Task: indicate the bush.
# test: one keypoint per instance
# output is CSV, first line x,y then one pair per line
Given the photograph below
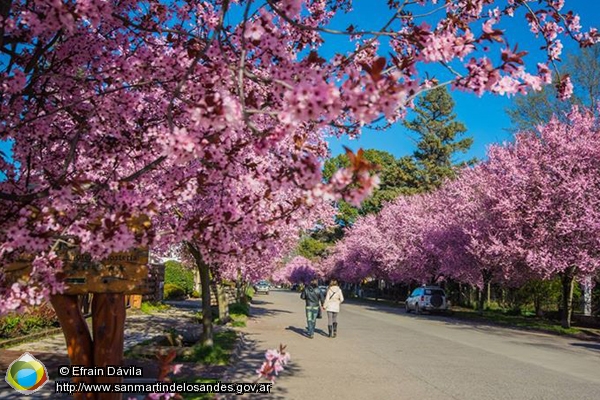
x,y
239,308
152,307
177,274
218,354
195,294
172,291
38,319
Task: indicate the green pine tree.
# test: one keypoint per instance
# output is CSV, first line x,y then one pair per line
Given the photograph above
x,y
397,176
438,142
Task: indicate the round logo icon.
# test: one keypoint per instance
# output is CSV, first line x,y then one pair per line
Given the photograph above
x,y
26,374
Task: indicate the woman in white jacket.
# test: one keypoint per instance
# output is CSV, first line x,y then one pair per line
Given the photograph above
x,y
333,299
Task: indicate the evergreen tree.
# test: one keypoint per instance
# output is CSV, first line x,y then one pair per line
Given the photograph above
x,y
398,176
438,138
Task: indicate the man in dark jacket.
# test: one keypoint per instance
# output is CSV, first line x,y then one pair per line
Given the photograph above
x,y
314,300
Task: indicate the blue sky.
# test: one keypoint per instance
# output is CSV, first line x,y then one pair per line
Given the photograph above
x,y
484,116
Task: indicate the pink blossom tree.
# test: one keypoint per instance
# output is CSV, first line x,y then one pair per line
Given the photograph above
x,y
121,112
548,199
297,270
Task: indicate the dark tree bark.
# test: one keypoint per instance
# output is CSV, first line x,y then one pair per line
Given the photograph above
x,y
204,271
108,324
106,347
77,335
567,279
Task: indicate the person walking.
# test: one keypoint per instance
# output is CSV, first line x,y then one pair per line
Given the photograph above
x,y
333,299
314,301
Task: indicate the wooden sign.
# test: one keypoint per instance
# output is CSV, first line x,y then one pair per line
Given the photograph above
x,y
122,272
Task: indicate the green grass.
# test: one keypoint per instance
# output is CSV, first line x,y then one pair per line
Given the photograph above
x,y
199,396
239,308
239,312
501,317
519,321
238,320
218,354
151,308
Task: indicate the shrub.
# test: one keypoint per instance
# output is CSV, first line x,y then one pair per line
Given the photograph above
x,y
152,307
195,294
218,354
239,308
177,274
38,319
172,291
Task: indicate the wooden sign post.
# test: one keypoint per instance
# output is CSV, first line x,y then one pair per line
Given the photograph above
x,y
123,272
109,279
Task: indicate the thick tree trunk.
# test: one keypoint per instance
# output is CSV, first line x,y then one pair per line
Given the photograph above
x,y
567,279
106,348
77,335
108,324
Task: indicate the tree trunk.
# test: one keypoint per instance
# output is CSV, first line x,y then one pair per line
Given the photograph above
x,y
485,293
472,295
204,271
222,303
537,303
106,348
567,280
77,335
108,322
207,323
238,287
587,296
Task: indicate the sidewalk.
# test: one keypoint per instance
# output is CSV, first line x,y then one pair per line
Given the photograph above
x,y
52,350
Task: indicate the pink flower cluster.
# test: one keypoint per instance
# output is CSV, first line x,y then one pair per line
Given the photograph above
x,y
275,362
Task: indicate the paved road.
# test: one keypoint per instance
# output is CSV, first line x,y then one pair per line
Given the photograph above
x,y
383,353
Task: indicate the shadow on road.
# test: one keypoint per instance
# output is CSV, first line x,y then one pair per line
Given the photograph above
x,y
258,309
263,312
591,346
299,331
256,302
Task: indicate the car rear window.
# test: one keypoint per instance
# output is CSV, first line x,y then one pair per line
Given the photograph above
x,y
432,292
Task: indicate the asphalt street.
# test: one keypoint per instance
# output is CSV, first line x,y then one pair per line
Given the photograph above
x,y
383,353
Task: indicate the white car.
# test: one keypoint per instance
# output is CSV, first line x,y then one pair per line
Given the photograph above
x,y
427,298
262,287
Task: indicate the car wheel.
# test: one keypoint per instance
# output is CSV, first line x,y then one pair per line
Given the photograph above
x,y
406,308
